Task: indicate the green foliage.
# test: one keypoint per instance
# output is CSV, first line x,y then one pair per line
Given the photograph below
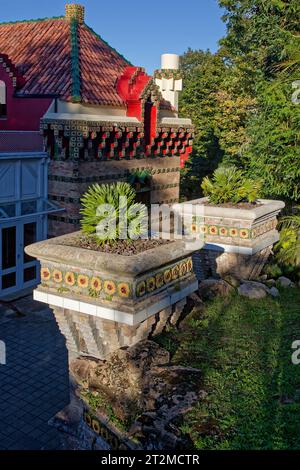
x,y
240,98
202,73
243,348
113,206
100,402
229,184
273,270
261,49
273,153
289,244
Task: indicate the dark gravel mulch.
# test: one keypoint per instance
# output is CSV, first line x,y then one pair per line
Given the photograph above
x,y
119,247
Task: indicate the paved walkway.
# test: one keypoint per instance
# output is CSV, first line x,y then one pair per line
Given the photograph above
x,y
34,382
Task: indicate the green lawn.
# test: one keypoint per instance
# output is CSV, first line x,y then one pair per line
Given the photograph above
x,y
244,349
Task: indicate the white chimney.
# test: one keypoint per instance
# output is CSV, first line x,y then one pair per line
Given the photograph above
x,y
168,78
170,61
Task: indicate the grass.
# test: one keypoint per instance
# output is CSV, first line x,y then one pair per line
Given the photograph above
x,y
244,349
97,402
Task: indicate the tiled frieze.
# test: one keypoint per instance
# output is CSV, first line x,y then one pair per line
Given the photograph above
x,y
211,228
65,279
90,141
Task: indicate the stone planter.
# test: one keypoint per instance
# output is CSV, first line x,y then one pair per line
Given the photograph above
x,y
104,301
237,241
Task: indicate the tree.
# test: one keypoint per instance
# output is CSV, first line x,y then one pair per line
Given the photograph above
x,y
262,50
203,74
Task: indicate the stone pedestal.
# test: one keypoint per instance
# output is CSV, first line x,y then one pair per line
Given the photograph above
x,y
103,301
236,241
88,335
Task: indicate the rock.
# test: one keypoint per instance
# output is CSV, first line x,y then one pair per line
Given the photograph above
x,y
253,290
271,282
178,312
274,292
211,288
139,381
233,281
263,278
285,282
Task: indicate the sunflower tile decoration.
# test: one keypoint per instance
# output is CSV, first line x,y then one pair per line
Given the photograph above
x,y
94,286
232,232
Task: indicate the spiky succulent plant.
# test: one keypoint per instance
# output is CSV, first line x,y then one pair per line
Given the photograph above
x,y
110,213
229,184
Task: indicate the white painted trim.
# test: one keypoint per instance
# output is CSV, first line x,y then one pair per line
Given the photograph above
x,y
244,250
112,314
91,117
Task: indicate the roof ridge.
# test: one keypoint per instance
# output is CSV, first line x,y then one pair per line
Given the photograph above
x,y
105,42
34,20
75,62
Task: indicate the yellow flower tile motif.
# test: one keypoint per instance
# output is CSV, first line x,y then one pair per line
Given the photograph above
x,y
151,285
70,279
190,265
57,276
82,281
244,233
183,269
45,274
110,287
159,280
175,273
233,232
223,231
88,419
124,289
96,284
194,228
213,230
203,229
168,276
141,289
96,426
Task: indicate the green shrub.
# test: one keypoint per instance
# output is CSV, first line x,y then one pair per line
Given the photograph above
x,y
289,244
229,184
113,207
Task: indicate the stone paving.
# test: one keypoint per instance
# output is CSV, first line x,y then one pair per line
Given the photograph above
x,y
34,383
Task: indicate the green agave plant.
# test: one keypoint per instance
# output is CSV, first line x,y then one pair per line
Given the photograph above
x,y
229,184
110,213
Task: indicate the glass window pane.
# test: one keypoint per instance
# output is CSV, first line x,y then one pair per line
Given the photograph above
x,y
29,238
9,280
30,274
8,247
29,207
9,209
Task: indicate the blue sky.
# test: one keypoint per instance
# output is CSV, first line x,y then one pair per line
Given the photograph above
x,y
141,30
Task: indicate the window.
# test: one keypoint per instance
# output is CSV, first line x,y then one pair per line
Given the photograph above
x,y
3,107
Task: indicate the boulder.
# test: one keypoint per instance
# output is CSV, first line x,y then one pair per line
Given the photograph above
x,y
253,290
139,381
211,288
285,282
274,292
233,281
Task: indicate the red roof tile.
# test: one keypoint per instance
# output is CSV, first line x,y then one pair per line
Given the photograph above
x,y
42,52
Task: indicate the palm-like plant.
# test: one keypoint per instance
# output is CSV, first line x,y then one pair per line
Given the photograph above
x,y
289,244
229,184
111,213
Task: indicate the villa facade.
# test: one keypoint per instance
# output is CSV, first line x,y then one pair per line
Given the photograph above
x,y
74,112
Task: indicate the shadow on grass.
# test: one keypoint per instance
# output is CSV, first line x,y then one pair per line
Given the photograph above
x,y
244,349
